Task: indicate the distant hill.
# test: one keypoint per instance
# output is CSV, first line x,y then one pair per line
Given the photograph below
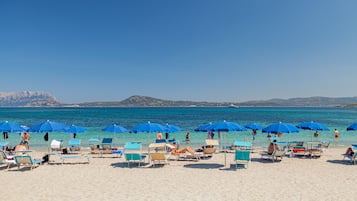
x,y
28,99
305,102
44,99
145,101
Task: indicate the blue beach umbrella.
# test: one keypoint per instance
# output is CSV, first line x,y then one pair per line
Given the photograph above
x,y
115,129
47,126
254,126
312,126
148,128
74,129
280,128
352,127
171,128
11,127
203,128
225,127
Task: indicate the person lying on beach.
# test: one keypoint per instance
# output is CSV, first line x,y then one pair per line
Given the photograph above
x,y
272,146
349,151
182,151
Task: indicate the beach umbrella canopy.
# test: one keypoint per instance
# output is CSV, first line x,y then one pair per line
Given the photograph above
x,y
11,127
74,129
171,128
226,126
203,128
352,127
312,126
115,129
254,126
47,126
280,128
148,128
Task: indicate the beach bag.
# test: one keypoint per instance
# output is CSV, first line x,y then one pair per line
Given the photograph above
x,y
45,158
45,137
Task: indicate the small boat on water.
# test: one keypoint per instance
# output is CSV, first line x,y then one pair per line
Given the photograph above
x,y
233,106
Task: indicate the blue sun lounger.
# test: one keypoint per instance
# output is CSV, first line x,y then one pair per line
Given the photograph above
x,y
133,153
26,160
74,145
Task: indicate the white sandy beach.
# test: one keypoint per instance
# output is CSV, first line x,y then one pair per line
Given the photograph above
x,y
109,178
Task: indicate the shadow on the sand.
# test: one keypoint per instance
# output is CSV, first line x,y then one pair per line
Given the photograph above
x,y
130,165
341,162
264,160
204,166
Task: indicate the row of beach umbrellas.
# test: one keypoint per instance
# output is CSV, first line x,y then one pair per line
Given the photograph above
x,y
50,126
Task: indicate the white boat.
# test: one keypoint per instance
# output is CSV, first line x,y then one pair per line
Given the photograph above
x,y
233,106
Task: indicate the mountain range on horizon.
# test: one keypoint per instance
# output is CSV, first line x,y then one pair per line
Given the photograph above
x,y
45,99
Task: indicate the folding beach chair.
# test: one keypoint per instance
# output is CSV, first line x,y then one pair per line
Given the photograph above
x,y
242,157
133,153
74,145
107,143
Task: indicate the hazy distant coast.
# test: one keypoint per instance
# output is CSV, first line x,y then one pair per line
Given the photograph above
x,y
45,99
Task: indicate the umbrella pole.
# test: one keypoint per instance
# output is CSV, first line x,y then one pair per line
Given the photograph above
x,y
224,149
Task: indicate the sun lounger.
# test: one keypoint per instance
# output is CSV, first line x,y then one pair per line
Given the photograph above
x,y
26,160
5,160
107,143
133,153
158,158
94,143
74,145
274,156
70,157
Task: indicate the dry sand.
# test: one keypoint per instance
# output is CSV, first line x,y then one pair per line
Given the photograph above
x,y
325,178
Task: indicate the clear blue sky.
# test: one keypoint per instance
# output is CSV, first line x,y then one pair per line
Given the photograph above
x,y
201,50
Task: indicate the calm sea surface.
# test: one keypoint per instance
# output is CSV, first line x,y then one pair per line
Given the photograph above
x,y
188,118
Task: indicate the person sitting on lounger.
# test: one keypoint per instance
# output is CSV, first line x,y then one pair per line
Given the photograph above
x,y
349,151
272,146
182,151
21,147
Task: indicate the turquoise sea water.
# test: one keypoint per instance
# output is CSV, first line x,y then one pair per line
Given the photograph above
x,y
188,118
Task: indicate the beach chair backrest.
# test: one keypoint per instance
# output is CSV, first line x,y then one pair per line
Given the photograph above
x,y
160,141
212,142
107,140
242,144
2,156
278,153
209,150
242,155
23,159
132,146
74,142
132,156
56,144
157,156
